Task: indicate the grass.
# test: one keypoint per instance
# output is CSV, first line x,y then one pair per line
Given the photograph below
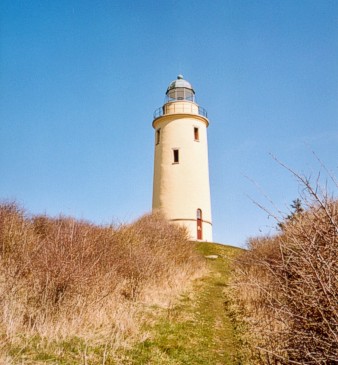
x,y
73,293
198,328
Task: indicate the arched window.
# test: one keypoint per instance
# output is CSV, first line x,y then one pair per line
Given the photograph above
x,y
199,224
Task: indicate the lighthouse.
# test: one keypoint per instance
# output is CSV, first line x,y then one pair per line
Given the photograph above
x,y
181,188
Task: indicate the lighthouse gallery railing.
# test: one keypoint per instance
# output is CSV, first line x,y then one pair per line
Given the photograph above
x,y
180,108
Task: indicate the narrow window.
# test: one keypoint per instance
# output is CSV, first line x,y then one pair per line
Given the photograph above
x,y
158,136
196,134
176,156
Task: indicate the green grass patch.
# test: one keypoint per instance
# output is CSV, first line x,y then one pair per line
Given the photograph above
x,y
199,329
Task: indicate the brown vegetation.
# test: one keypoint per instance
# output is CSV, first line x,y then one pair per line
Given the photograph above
x,y
62,277
286,286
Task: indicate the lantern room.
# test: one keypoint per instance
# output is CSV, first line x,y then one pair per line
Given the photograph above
x,y
180,89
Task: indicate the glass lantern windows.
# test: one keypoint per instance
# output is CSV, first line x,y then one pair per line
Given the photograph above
x,y
180,93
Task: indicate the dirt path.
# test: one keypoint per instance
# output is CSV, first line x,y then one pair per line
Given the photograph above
x,y
198,330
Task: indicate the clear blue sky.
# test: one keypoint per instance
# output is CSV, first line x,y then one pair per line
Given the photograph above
x,y
80,81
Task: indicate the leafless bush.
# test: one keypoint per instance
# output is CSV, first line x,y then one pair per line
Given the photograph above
x,y
287,285
62,277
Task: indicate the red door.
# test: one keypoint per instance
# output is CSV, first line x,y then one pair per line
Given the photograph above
x,y
199,224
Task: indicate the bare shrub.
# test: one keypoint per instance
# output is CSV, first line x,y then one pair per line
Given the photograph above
x,y
60,277
287,286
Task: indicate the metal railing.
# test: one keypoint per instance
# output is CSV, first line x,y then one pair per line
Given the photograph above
x,y
172,108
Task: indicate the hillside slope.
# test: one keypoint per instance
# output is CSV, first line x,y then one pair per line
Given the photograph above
x,y
72,292
197,329
75,293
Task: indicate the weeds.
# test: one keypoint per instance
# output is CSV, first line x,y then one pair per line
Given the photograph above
x,y
64,279
286,286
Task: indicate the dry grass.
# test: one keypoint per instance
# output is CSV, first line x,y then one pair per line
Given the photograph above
x,y
62,278
286,286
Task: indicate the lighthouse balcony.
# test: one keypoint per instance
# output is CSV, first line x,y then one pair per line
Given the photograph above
x,y
180,108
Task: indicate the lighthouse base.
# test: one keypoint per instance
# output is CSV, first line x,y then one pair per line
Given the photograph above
x,y
197,231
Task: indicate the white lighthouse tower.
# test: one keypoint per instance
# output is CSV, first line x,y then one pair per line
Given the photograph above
x,y
181,173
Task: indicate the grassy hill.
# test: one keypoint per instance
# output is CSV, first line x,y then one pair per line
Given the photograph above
x,y
76,293
198,327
